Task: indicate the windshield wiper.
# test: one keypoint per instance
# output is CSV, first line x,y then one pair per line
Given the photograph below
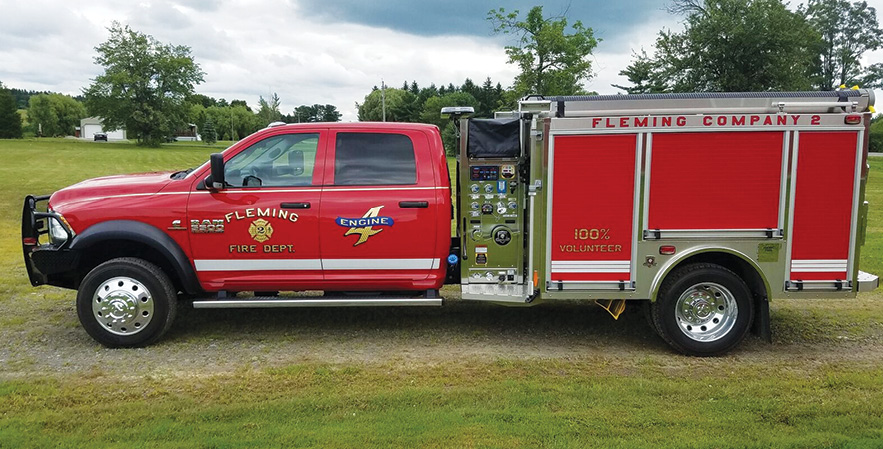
x,y
181,174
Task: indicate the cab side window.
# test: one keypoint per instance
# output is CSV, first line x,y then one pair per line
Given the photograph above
x,y
285,160
370,159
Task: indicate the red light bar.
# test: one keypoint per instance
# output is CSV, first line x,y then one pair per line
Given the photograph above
x,y
30,241
853,119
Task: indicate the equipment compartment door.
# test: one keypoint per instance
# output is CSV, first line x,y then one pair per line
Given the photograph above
x,y
824,208
592,223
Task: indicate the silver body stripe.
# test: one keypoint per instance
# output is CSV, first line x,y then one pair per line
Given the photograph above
x,y
591,266
818,265
315,264
257,264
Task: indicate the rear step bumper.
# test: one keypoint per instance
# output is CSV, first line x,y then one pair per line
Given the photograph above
x,y
266,303
867,282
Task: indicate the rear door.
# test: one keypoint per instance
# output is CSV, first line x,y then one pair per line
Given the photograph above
x,y
824,209
260,232
378,225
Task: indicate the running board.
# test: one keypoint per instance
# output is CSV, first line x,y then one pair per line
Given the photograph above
x,y
267,303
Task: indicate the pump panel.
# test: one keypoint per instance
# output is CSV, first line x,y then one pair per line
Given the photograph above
x,y
492,206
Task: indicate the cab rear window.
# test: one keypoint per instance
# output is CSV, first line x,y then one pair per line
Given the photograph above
x,y
370,159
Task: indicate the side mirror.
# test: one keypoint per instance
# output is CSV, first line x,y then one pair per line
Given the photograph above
x,y
296,162
217,164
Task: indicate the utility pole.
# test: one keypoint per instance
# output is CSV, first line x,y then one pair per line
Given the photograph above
x,y
383,97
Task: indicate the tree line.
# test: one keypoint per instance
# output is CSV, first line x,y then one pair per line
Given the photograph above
x,y
725,45
760,45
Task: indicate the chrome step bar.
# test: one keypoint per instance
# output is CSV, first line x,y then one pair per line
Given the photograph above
x,y
271,302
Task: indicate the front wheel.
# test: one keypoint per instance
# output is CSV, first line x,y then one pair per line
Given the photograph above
x,y
126,302
703,310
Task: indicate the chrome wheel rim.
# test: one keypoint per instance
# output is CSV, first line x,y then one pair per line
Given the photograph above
x,y
123,306
706,312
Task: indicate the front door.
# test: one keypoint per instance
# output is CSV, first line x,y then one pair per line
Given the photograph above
x,y
260,231
379,206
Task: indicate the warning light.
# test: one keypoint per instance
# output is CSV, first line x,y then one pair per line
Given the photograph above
x,y
853,119
30,241
667,250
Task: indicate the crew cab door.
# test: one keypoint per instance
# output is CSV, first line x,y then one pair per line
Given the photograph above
x,y
259,233
378,225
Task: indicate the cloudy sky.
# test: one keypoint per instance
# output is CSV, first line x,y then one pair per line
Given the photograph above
x,y
312,51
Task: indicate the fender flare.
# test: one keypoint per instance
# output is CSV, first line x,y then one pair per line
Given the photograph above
x,y
676,261
146,234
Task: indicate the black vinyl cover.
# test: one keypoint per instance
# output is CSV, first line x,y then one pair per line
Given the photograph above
x,y
494,138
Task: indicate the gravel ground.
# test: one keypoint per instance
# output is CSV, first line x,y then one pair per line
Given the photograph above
x,y
40,335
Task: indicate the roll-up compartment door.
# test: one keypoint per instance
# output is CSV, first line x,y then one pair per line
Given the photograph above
x,y
823,207
716,184
593,210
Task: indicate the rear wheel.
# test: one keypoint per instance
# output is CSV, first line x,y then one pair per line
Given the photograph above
x,y
703,310
126,302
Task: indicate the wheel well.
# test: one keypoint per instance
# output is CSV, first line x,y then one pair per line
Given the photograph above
x,y
737,265
112,249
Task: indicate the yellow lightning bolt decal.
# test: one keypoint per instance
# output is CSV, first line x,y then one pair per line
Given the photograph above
x,y
367,231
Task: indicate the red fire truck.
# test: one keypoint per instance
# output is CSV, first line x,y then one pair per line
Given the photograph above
x,y
704,206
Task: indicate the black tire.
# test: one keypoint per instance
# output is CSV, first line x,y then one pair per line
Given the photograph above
x,y
714,321
135,306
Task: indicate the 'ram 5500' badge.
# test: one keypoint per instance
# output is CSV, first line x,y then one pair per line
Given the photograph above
x,y
364,226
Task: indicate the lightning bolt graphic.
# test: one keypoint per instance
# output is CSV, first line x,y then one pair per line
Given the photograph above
x,y
368,231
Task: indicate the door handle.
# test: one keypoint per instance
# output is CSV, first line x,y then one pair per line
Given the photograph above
x,y
295,205
413,204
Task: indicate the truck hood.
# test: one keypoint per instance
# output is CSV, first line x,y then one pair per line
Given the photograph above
x,y
112,186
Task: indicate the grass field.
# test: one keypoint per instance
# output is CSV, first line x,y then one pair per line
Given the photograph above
x,y
466,375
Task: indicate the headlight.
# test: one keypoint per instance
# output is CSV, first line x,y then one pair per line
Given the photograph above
x,y
57,232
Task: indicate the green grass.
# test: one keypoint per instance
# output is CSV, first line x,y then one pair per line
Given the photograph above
x,y
503,404
227,379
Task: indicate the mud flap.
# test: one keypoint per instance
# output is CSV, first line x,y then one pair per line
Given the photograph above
x,y
761,326
614,307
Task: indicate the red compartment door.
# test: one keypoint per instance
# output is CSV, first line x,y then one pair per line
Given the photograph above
x,y
593,204
823,206
715,181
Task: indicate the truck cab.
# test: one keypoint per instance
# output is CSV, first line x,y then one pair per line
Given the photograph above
x,y
360,207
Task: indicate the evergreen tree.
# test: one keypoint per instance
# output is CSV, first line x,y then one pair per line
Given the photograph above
x,y
209,135
10,120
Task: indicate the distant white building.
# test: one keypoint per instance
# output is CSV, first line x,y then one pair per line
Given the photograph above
x,y
91,125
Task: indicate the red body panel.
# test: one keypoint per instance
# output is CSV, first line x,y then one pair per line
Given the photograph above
x,y
593,207
408,245
823,201
721,180
158,200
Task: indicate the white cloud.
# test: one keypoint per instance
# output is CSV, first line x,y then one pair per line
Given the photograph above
x,y
252,48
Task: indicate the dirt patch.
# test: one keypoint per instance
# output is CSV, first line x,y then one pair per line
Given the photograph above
x,y
806,334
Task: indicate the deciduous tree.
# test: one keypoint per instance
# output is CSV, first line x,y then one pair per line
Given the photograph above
x,y
847,30
55,114
729,45
269,109
400,106
144,86
552,61
314,113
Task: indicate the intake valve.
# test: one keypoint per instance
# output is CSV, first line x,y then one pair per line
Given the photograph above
x,y
502,236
